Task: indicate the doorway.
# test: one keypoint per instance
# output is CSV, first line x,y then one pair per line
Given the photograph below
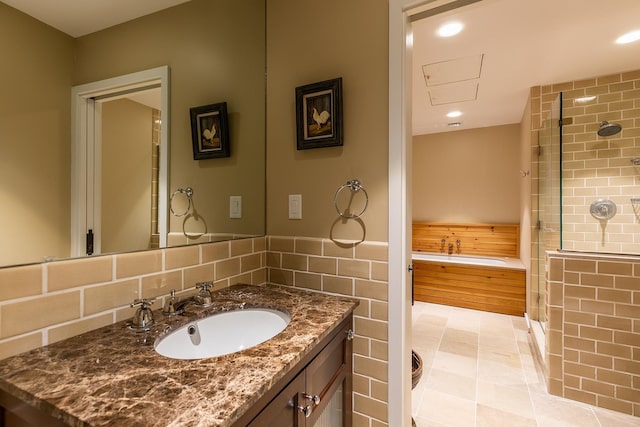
x,y
87,174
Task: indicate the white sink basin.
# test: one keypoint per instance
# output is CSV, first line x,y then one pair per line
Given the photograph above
x,y
223,333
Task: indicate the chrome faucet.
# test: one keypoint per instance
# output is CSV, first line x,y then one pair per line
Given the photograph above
x,y
458,243
450,248
170,306
204,298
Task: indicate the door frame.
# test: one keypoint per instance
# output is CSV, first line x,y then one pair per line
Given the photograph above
x,y
86,140
401,14
399,281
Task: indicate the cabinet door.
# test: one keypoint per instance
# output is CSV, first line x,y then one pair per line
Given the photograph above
x,y
283,410
325,376
16,413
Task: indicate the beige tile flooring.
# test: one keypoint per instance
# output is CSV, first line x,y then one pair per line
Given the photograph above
x,y
478,370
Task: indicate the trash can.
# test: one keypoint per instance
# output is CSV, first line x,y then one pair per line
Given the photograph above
x,y
416,373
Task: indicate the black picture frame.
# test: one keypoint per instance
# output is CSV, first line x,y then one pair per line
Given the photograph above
x,y
319,114
210,131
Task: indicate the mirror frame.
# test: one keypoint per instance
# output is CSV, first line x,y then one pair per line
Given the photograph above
x,y
82,126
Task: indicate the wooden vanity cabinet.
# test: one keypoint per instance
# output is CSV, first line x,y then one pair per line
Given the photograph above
x,y
319,393
16,413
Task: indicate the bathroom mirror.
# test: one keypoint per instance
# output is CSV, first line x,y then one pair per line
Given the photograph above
x,y
208,64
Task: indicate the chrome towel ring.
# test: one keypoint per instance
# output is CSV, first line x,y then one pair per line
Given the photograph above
x,y
355,186
188,192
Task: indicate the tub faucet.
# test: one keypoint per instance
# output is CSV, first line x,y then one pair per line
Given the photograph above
x,y
458,243
450,248
442,242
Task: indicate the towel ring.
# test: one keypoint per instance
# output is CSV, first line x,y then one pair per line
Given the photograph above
x,y
355,186
187,192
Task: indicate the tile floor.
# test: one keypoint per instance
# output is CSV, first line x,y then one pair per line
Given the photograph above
x,y
478,370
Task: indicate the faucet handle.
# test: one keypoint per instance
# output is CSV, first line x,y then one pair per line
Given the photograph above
x,y
143,317
204,286
204,297
144,303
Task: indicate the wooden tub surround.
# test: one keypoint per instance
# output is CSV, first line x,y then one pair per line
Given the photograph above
x,y
499,289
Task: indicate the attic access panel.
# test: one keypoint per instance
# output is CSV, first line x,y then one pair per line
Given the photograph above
x,y
454,92
455,70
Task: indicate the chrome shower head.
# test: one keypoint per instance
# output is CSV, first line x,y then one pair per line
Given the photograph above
x,y
608,129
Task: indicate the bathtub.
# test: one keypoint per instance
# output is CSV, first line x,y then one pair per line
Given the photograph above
x,y
459,259
477,282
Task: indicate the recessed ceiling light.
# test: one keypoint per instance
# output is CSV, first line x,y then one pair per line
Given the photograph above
x,y
453,114
585,99
450,29
629,37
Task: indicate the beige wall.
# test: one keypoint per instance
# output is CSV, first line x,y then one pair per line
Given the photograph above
x,y
126,175
306,47
35,82
468,176
211,60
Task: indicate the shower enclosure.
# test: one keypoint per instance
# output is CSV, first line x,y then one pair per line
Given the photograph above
x,y
588,175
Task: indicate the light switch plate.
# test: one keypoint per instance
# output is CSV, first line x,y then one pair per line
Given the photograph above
x,y
295,206
235,206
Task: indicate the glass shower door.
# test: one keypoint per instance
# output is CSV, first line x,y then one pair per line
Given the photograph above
x,y
549,201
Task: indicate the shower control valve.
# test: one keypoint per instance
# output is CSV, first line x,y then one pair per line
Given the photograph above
x,y
603,209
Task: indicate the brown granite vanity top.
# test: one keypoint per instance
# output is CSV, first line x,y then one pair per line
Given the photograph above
x,y
113,376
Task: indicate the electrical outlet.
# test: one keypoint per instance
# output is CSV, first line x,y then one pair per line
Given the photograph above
x,y
295,206
235,206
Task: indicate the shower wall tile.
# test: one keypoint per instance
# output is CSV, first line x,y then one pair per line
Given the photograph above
x,y
359,272
596,167
593,340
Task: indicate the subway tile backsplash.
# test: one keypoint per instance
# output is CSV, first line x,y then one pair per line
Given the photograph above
x,y
44,303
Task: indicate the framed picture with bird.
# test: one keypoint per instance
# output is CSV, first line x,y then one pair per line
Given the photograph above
x,y
210,131
319,114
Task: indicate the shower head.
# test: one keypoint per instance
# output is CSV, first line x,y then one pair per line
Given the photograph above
x,y
608,129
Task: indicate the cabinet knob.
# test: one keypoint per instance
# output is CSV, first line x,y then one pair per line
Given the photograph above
x,y
315,398
306,410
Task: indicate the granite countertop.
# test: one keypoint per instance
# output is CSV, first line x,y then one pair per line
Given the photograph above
x,y
113,376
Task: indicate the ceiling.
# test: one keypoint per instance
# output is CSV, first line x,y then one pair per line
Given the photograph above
x,y
515,44
80,17
522,43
